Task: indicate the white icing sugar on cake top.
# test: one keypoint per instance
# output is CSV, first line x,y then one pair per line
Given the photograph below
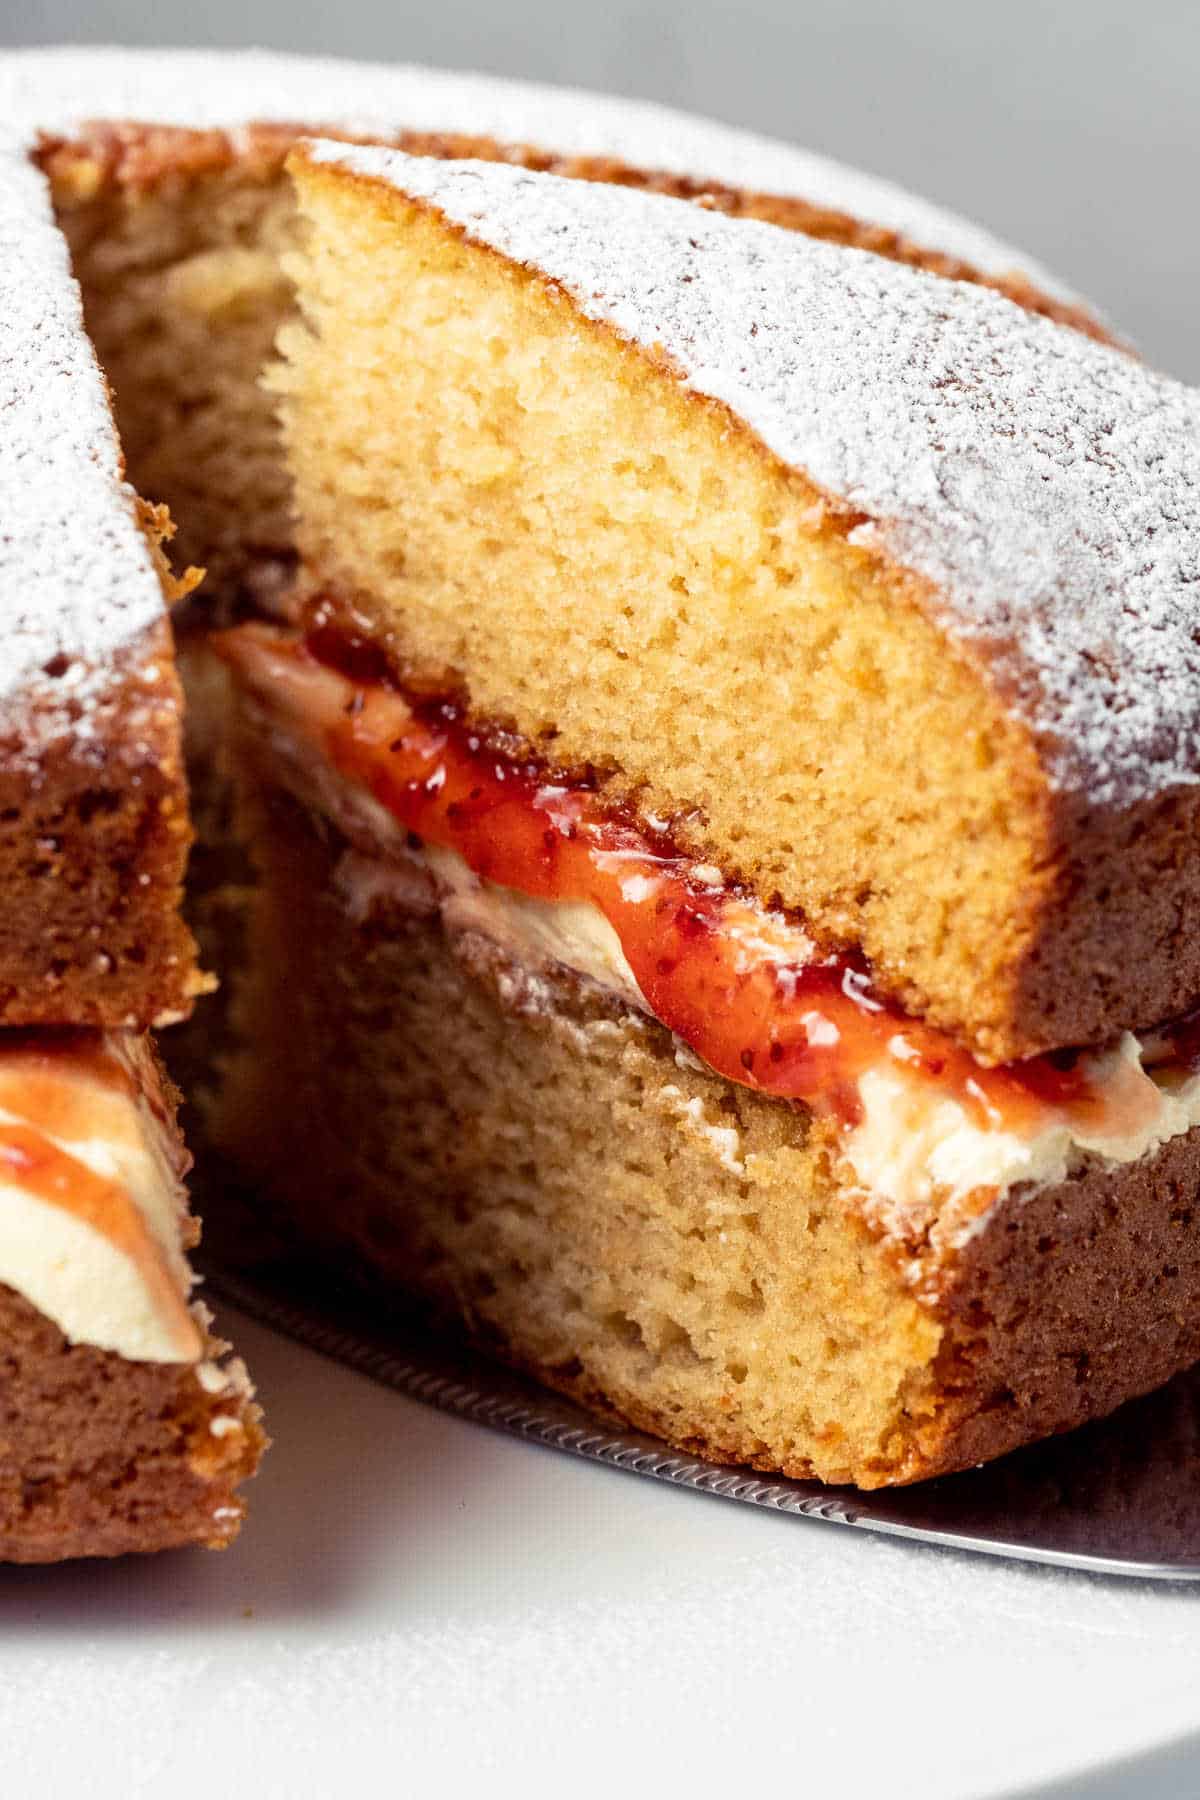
x,y
56,90
1047,485
76,578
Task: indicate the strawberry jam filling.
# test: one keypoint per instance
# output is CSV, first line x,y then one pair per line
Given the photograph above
x,y
741,984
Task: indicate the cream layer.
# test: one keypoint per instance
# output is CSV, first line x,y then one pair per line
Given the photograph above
x,y
91,1205
914,1147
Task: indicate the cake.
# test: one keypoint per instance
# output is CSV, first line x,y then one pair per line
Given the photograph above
x,y
481,1093
122,1427
725,772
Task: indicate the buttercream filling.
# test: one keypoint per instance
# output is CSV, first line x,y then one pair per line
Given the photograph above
x,y
911,1146
920,1121
90,1205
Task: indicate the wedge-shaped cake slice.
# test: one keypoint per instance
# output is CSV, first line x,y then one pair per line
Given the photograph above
x,y
731,802
119,1427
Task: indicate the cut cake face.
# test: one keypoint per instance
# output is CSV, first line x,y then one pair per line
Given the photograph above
x,y
176,227
628,534
121,1426
556,1079
93,807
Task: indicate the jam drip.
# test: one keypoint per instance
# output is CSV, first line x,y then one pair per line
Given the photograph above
x,y
740,984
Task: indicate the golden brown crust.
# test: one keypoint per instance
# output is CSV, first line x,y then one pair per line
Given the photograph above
x,y
100,1456
93,846
1071,1300
1112,938
894,792
139,157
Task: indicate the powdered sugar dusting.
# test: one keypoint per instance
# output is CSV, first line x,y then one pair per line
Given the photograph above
x,y
76,579
56,90
1047,485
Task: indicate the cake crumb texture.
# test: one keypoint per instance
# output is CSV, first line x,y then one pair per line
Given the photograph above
x,y
100,1456
1043,486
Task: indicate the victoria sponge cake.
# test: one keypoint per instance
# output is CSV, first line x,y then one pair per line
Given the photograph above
x,y
735,718
693,699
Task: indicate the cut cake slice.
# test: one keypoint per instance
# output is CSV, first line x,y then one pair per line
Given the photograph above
x,y
120,1428
731,668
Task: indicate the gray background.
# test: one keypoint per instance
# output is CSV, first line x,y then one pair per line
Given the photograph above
x,y
1069,126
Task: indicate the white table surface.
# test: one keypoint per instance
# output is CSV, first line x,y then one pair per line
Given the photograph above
x,y
419,1604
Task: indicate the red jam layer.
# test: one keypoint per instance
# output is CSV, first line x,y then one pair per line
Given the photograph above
x,y
731,979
